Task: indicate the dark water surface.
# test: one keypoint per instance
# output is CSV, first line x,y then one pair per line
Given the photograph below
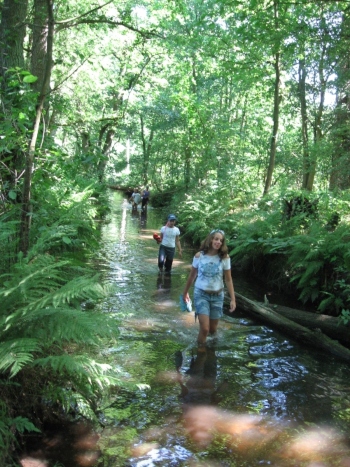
x,y
252,398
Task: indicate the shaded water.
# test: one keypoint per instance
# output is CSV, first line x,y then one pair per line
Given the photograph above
x,y
252,398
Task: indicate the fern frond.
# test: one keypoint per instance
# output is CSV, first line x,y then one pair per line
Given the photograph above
x,y
82,370
16,353
64,323
82,287
33,281
310,274
46,282
21,425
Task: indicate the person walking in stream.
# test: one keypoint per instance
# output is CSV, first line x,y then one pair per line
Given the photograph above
x,y
145,198
170,239
209,266
135,199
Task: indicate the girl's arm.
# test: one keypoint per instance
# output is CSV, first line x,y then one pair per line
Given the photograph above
x,y
229,285
190,280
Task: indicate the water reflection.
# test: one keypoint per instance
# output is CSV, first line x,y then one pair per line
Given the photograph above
x,y
143,218
199,387
74,444
135,213
123,226
163,292
163,283
139,216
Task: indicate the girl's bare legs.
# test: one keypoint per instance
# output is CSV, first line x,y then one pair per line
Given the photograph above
x,y
203,329
213,326
206,326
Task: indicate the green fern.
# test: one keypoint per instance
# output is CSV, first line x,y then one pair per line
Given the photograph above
x,y
16,353
44,330
21,425
8,242
318,261
65,223
81,369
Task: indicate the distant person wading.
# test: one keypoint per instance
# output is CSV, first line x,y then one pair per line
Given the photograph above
x,y
170,236
135,199
145,198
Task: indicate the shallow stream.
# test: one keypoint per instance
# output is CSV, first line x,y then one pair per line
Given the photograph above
x,y
253,398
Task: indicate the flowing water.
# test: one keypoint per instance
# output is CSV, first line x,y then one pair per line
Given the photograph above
x,y
252,398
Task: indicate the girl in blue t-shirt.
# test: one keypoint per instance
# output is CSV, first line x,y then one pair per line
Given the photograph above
x,y
210,265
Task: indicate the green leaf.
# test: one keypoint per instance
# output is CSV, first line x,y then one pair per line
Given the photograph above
x,y
30,79
21,424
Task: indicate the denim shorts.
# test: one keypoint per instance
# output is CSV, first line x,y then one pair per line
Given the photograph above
x,y
208,304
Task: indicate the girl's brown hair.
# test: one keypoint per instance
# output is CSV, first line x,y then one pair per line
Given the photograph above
x,y
206,244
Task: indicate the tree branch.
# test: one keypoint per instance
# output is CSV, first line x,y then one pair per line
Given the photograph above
x,y
146,34
84,14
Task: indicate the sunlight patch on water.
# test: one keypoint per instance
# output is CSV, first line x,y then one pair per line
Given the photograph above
x,y
144,324
167,456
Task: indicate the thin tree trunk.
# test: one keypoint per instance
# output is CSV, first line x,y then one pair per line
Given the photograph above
x,y
304,121
26,205
146,149
276,111
188,144
188,157
309,176
106,132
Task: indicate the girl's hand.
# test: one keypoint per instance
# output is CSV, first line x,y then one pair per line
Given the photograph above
x,y
186,297
232,305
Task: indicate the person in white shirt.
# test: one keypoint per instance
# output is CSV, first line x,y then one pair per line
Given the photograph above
x,y
170,239
209,266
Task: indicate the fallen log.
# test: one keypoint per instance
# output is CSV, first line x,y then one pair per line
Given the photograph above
x,y
313,338
329,325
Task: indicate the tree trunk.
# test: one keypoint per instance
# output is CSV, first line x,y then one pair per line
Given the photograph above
x,y
329,325
276,111
304,120
188,157
146,149
106,132
310,169
12,33
315,339
39,53
340,176
45,80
